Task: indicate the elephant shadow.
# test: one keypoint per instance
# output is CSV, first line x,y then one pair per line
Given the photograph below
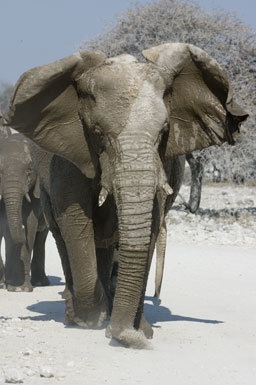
x,y
155,313
49,311
55,281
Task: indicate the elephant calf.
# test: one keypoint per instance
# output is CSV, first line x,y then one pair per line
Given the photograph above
x,y
21,219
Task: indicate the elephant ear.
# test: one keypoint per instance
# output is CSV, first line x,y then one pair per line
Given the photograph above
x,y
45,108
198,98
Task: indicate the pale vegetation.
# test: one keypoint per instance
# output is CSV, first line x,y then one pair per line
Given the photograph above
x,y
5,93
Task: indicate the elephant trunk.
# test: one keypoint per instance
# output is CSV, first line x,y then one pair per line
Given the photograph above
x,y
134,189
13,198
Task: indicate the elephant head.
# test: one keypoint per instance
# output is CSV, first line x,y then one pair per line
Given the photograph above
x,y
17,178
123,119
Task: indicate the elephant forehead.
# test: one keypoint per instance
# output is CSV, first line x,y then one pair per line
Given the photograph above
x,y
117,78
16,149
117,87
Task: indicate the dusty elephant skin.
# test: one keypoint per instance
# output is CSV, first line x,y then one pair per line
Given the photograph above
x,y
120,121
20,214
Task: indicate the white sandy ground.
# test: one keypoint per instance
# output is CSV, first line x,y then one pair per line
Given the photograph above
x,y
204,326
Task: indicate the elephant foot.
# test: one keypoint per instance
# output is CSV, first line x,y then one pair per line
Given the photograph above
x,y
146,328
27,287
41,280
93,320
86,317
129,337
68,320
91,317
66,294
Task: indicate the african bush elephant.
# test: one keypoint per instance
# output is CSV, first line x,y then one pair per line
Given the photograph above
x,y
21,220
119,121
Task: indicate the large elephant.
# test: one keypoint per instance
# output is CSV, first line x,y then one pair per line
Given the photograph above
x,y
21,219
119,121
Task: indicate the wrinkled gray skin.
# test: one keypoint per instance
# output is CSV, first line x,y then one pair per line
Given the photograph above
x,y
70,203
175,180
119,121
21,221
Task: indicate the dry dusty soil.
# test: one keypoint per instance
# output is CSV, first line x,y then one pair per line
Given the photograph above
x,y
204,324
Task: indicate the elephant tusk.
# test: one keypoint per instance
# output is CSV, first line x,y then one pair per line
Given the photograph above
x,y
167,189
28,198
103,196
0,197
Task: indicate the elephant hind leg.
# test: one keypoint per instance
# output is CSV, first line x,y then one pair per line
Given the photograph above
x,y
104,267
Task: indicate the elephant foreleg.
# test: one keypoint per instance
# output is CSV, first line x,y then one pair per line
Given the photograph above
x,y
90,309
31,212
15,267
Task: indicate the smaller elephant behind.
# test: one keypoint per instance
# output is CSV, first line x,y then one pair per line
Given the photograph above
x,y
175,172
22,223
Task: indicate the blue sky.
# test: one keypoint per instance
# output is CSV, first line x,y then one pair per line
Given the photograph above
x,y
35,32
